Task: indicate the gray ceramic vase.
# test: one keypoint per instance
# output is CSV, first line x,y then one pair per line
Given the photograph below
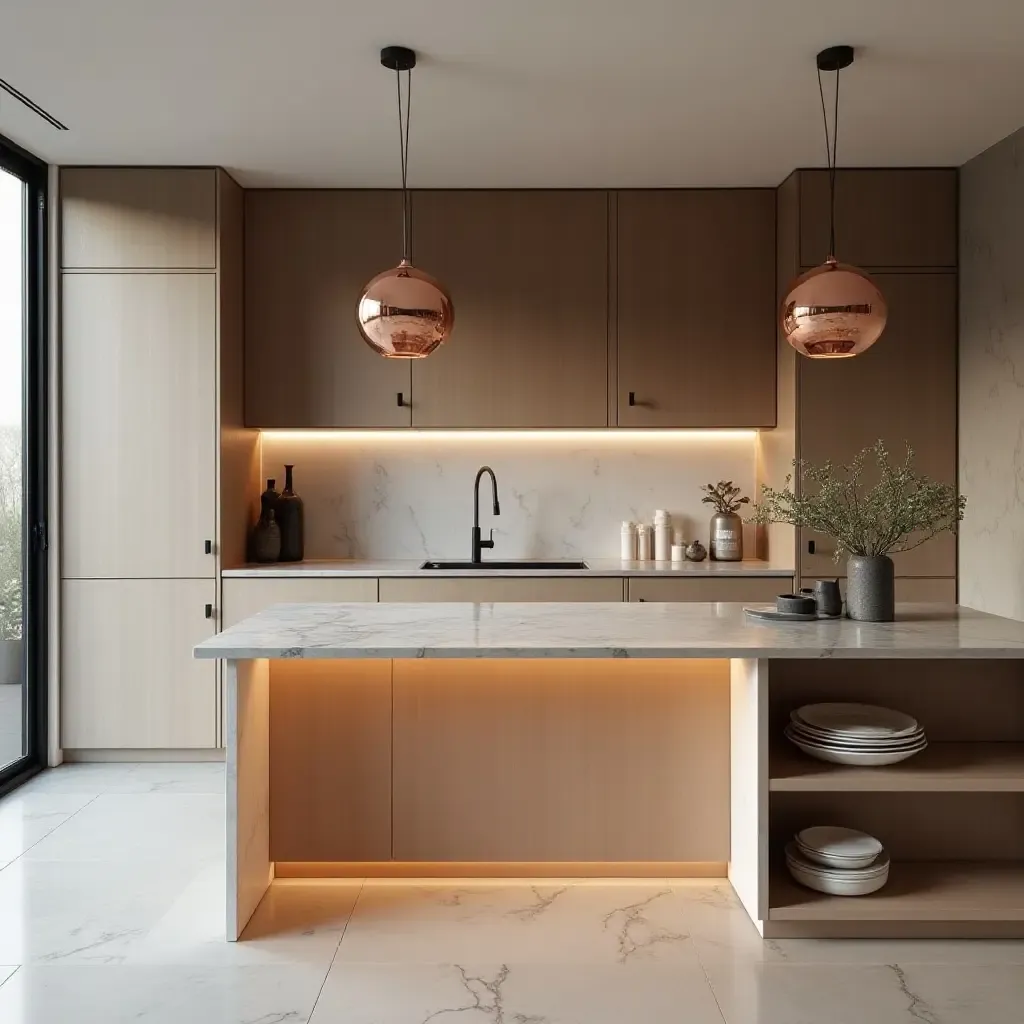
x,y
870,588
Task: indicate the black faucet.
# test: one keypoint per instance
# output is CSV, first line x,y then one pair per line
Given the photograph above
x,y
478,544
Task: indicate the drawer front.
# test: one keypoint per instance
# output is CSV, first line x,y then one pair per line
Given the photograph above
x,y
753,588
245,596
500,588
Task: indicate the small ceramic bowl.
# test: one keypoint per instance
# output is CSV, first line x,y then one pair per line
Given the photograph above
x,y
795,604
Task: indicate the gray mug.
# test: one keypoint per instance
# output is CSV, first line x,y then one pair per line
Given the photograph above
x,y
828,597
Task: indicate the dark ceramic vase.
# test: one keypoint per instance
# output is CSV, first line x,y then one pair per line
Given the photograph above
x,y
870,588
291,519
266,538
269,499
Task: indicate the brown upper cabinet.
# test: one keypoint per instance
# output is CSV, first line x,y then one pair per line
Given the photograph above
x,y
308,256
902,390
885,218
695,323
138,218
528,276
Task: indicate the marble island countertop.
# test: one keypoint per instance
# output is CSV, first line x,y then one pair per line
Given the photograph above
x,y
584,630
595,567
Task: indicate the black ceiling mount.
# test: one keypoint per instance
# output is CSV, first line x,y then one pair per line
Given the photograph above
x,y
401,58
835,58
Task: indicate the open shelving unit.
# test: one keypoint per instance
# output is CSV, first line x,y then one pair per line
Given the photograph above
x,y
951,818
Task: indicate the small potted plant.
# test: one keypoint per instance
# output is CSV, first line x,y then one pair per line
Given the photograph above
x,y
726,523
869,524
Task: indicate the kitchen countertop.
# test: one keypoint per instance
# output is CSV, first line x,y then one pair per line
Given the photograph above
x,y
597,567
587,630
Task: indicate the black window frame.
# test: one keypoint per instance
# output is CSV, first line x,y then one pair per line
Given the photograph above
x,y
35,482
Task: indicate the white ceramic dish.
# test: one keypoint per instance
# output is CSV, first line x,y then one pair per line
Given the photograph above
x,y
834,883
837,847
865,720
856,758
853,742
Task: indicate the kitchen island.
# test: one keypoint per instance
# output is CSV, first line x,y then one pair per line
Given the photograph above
x,y
605,739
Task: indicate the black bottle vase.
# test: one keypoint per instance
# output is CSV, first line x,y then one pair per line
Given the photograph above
x,y
291,520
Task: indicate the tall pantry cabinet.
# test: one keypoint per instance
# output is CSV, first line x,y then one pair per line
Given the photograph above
x,y
151,413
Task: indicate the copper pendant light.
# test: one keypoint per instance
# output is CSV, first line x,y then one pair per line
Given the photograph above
x,y
404,313
835,310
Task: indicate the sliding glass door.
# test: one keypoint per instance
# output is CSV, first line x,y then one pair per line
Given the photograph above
x,y
23,470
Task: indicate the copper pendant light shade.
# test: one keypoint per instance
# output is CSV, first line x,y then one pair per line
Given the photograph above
x,y
404,313
835,310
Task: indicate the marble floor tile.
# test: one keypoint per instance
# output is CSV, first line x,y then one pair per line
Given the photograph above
x,y
160,995
473,993
514,922
27,817
140,827
298,921
85,912
145,777
855,994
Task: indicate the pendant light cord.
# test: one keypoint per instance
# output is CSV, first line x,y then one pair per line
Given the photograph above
x,y
830,156
403,145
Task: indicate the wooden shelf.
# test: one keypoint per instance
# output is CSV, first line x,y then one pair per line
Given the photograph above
x,y
942,768
922,891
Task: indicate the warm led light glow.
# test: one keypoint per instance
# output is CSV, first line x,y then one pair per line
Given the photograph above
x,y
588,437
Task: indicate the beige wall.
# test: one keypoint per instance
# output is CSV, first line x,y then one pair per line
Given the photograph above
x,y
992,378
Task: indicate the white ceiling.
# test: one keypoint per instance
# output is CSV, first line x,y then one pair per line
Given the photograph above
x,y
522,93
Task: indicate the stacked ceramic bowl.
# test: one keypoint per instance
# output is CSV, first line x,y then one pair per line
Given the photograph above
x,y
855,734
837,861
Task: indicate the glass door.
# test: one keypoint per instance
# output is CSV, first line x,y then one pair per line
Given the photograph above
x,y
23,416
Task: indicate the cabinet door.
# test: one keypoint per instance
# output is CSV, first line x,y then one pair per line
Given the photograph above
x,y
139,425
130,218
308,256
696,308
244,596
528,275
752,588
128,678
549,588
903,389
895,217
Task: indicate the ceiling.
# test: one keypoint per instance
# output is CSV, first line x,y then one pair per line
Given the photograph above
x,y
567,93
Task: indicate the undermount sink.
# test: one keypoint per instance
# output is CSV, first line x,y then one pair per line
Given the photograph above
x,y
523,564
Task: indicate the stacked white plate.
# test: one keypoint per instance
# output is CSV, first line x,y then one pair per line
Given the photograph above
x,y
855,734
837,861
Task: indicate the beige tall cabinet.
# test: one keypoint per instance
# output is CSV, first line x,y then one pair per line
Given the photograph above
x,y
151,348
901,226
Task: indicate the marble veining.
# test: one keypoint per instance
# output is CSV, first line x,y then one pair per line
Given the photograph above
x,y
403,952
585,630
408,495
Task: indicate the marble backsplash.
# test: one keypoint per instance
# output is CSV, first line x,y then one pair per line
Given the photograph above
x,y
410,495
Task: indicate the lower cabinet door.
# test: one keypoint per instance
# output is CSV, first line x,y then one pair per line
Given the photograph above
x,y
128,678
249,595
728,588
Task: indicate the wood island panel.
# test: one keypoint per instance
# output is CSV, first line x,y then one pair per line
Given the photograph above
x,y
330,760
561,761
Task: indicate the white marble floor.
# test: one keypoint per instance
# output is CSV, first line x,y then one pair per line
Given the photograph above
x,y
111,907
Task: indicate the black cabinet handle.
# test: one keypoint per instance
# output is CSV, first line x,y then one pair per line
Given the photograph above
x,y
810,547
632,398
401,400
208,547
209,611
